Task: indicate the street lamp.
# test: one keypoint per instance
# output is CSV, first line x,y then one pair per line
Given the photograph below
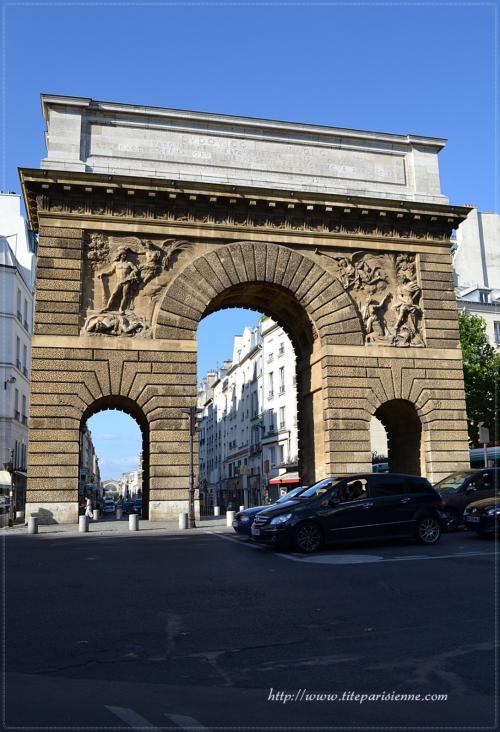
x,y
192,412
10,380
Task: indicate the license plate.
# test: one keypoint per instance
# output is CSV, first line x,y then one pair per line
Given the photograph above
x,y
473,519
255,531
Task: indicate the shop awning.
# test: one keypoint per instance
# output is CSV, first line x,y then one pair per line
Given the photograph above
x,y
286,478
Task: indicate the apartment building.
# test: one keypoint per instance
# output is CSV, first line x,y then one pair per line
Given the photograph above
x,y
248,428
17,275
476,265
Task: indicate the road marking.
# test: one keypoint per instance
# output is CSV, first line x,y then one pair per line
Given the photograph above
x,y
186,722
249,544
131,718
335,558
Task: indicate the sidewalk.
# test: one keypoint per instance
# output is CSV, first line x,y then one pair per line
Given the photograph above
x,y
112,527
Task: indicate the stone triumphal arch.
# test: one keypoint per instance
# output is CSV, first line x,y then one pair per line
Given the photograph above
x,y
149,219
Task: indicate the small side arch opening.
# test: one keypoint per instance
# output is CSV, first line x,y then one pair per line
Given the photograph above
x,y
122,458
403,428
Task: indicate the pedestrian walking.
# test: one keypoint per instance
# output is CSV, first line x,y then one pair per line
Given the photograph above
x,y
88,508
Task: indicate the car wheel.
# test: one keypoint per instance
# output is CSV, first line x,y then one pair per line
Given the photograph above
x,y
428,530
307,538
452,519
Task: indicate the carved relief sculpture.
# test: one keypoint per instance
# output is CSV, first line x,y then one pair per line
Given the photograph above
x,y
123,277
387,295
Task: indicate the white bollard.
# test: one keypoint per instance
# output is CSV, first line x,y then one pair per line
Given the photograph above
x,y
33,524
83,524
133,522
242,508
183,521
216,510
19,515
119,513
95,514
229,518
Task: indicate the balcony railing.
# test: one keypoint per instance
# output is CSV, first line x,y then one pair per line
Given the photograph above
x,y
17,414
281,389
270,395
18,363
25,371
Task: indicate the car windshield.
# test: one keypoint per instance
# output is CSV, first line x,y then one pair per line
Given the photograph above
x,y
317,489
452,481
290,494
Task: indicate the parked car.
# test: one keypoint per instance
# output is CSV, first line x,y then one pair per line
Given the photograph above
x,y
347,508
138,506
461,488
109,507
483,516
128,507
243,520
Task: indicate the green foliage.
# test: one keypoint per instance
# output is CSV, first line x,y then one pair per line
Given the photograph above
x,y
481,375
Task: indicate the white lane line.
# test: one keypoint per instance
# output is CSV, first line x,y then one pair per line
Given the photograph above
x,y
186,722
249,544
349,558
131,718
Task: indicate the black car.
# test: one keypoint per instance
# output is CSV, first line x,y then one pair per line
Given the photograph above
x,y
128,507
353,507
483,516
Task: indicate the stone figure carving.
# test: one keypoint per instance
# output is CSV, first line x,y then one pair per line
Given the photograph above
x,y
130,272
127,323
126,275
385,290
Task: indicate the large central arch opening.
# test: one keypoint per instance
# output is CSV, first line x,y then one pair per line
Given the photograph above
x,y
114,457
255,411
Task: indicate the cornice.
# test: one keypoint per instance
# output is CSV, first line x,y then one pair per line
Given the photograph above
x,y
96,198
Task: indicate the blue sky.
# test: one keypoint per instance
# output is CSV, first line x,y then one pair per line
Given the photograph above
x,y
423,68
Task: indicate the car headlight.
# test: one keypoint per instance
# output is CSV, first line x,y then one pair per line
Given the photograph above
x,y
280,519
493,511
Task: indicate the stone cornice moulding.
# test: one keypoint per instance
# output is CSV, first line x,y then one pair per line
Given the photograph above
x,y
41,188
235,121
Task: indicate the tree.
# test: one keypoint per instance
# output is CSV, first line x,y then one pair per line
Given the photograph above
x,y
481,366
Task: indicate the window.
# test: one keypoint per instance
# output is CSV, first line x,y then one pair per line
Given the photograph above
x,y
25,359
282,418
281,350
354,490
16,404
271,384
24,415
389,486
272,454
19,314
282,379
18,352
26,313
497,331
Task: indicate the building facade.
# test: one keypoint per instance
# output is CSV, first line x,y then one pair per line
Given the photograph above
x,y
17,277
90,474
248,435
476,264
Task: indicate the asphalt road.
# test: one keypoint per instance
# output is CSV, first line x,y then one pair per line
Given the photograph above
x,y
205,630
